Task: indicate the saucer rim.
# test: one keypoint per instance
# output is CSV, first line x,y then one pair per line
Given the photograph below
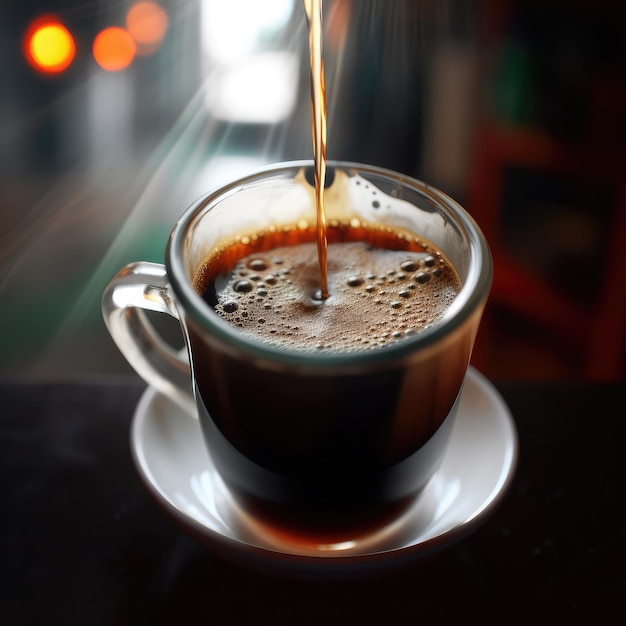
x,y
241,550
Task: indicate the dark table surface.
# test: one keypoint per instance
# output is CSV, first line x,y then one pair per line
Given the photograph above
x,y
82,542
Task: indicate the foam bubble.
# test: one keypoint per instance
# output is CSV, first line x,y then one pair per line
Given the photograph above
x,y
243,286
409,266
257,265
355,281
230,306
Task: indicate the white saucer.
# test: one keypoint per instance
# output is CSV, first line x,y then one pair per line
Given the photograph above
x,y
479,464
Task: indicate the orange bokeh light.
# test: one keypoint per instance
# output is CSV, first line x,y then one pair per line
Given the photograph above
x,y
114,49
49,47
147,24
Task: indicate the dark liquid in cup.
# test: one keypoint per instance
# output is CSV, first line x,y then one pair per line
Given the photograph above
x,y
384,285
335,444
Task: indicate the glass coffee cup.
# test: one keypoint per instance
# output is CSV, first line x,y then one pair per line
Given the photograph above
x,y
310,439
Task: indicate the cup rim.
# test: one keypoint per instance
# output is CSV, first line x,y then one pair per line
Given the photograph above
x,y
472,295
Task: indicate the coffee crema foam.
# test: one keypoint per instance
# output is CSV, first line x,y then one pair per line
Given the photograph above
x,y
384,285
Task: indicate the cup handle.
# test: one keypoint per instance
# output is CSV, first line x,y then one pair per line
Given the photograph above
x,y
137,288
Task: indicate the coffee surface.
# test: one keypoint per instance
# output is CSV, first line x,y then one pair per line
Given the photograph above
x,y
383,286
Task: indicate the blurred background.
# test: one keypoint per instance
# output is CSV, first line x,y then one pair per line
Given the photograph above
x,y
115,116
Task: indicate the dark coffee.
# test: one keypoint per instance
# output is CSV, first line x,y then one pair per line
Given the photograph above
x,y
341,440
378,295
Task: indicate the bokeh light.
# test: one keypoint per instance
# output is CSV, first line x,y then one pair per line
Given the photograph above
x,y
49,46
114,49
147,24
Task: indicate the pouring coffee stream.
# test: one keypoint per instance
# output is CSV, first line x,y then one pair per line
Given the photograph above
x,y
313,9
